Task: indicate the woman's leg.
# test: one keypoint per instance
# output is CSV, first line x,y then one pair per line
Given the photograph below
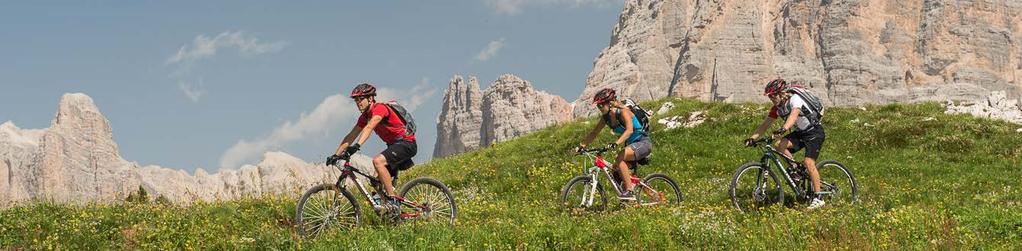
x,y
622,166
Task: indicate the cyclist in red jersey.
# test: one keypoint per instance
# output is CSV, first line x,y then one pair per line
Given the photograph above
x,y
385,122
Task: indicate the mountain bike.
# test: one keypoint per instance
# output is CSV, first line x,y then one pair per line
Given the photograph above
x,y
755,185
585,193
332,205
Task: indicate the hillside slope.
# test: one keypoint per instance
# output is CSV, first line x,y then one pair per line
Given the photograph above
x,y
927,180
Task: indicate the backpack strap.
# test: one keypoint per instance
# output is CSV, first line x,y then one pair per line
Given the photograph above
x,y
816,116
391,111
621,121
606,117
620,118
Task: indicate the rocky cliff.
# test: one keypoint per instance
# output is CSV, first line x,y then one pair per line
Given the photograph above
x,y
510,107
460,118
852,51
76,160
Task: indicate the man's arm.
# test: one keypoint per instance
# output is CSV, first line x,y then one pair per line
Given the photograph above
x,y
347,139
790,121
361,134
373,122
762,127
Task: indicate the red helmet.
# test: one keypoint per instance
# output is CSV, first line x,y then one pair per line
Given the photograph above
x,y
364,89
775,86
604,96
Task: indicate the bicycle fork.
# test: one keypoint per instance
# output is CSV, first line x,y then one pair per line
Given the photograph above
x,y
587,198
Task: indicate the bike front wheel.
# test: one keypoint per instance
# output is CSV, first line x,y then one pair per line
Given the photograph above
x,y
658,189
582,194
837,184
326,206
434,202
755,187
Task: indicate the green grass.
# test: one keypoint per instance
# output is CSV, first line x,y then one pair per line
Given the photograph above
x,y
927,180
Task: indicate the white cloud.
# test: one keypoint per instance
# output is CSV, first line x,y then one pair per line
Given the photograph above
x,y
420,93
191,91
203,46
508,7
514,7
491,50
416,96
334,110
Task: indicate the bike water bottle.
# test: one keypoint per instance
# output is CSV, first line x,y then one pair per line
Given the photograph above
x,y
376,198
794,172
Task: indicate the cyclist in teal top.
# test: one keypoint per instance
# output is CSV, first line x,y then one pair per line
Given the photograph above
x,y
623,122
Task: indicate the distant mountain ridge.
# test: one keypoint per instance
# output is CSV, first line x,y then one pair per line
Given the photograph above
x,y
76,160
471,118
853,52
849,52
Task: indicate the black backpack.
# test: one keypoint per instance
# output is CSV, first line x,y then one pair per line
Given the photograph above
x,y
403,115
641,114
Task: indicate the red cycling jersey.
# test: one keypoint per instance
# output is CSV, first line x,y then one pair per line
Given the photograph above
x,y
773,112
390,129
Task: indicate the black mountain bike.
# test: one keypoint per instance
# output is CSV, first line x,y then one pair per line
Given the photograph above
x,y
755,184
332,205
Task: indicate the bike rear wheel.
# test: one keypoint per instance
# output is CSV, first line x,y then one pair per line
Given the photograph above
x,y
755,187
581,194
658,189
434,199
837,184
326,206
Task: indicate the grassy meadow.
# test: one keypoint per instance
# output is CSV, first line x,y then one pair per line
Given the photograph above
x,y
927,180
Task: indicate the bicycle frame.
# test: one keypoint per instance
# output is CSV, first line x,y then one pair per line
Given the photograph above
x,y
599,164
770,155
350,172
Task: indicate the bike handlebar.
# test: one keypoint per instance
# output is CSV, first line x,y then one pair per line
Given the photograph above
x,y
765,140
594,150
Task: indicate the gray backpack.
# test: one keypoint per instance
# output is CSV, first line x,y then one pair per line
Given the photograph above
x,y
404,115
816,108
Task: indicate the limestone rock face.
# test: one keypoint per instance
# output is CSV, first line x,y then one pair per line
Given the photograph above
x,y
851,52
76,161
278,173
73,161
643,50
509,108
18,148
460,118
997,105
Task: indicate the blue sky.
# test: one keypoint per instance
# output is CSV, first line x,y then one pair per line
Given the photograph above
x,y
189,84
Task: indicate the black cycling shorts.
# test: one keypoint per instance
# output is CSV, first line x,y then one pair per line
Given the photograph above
x,y
399,156
811,140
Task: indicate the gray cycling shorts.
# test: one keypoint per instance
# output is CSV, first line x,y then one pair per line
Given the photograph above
x,y
642,148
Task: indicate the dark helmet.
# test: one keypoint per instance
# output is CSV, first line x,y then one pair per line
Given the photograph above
x,y
364,89
775,86
604,96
